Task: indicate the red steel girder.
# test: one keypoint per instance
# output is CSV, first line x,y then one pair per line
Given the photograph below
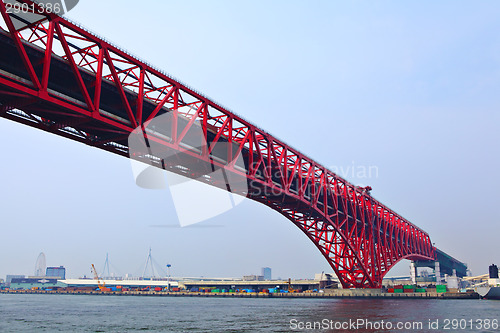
x,y
106,93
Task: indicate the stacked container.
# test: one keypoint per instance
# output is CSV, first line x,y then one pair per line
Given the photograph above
x,y
440,288
408,288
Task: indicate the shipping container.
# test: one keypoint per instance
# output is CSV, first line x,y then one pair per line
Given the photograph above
x,y
440,288
398,290
158,288
420,290
390,290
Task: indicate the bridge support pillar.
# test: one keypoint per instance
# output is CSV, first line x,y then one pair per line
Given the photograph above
x,y
413,272
437,270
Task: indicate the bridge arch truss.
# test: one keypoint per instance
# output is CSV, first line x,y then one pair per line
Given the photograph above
x,y
58,77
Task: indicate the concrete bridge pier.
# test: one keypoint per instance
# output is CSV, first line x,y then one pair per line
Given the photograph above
x,y
414,270
437,271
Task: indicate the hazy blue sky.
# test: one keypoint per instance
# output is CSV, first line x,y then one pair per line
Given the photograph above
x,y
411,88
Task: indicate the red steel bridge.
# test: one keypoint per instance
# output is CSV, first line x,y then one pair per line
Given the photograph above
x,y
58,77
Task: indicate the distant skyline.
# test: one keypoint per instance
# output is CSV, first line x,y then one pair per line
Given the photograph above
x,y
406,92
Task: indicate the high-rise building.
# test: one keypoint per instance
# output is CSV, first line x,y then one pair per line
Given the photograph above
x,y
266,273
59,272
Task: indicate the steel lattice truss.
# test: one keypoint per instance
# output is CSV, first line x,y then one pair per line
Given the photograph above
x,y
58,77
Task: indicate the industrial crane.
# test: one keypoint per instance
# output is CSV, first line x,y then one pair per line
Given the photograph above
x,y
290,289
102,286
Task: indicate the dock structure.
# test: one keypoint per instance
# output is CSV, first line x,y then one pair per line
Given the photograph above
x,y
333,293
302,285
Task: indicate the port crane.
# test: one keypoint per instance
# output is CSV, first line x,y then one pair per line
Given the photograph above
x,y
290,289
102,286
477,281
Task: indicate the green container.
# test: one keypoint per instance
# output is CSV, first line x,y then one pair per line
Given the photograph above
x,y
398,291
408,286
420,290
440,288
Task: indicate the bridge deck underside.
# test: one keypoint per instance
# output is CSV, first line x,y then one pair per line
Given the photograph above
x,y
447,264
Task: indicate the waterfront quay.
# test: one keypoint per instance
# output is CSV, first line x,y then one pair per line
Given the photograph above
x,y
334,293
